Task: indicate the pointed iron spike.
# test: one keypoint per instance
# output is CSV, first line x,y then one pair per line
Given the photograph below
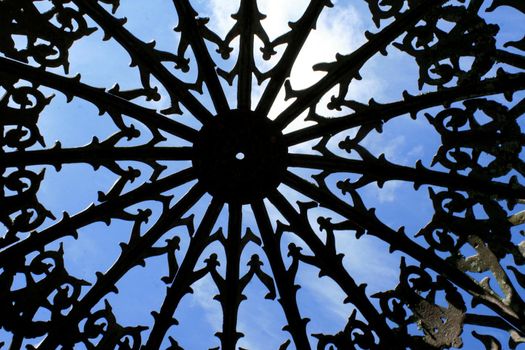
x,y
392,249
74,234
106,220
420,83
115,89
288,91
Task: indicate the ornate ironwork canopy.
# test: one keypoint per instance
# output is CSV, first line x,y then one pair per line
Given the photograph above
x,y
286,193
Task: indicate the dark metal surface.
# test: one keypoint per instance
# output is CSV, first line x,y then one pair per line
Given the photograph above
x,y
461,275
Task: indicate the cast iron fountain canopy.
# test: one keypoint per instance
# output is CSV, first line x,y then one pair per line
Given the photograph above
x,y
461,278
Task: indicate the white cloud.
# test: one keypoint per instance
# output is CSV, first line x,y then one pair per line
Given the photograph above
x,y
368,261
220,12
204,291
390,147
387,194
330,295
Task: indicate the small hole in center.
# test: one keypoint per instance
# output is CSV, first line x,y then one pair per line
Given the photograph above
x,y
239,156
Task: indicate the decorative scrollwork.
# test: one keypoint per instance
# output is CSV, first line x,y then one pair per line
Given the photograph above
x,y
236,194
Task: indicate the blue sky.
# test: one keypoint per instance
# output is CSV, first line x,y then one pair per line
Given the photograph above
x,y
404,141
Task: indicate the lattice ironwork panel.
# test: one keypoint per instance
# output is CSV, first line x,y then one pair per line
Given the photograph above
x,y
208,181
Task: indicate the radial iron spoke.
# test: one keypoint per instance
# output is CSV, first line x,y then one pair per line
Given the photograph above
x,y
230,297
101,212
285,283
487,321
381,113
93,155
382,170
72,87
142,55
295,40
510,58
185,277
190,30
347,67
246,18
518,109
132,255
331,264
399,241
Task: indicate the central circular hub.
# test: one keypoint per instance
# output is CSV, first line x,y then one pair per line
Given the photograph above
x,y
239,156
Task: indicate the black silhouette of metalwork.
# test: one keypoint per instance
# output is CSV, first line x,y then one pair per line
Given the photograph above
x,y
240,157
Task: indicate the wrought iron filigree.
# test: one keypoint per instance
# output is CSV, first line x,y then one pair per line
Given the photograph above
x,y
461,278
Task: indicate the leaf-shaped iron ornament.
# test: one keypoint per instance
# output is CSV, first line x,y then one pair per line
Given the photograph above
x,y
224,190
